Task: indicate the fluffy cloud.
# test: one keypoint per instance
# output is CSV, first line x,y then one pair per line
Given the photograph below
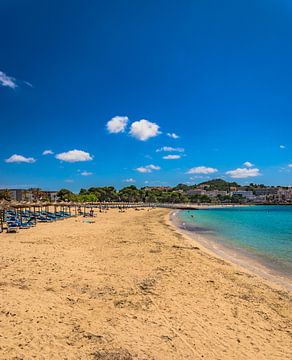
x,y
282,147
290,165
147,168
248,164
130,180
74,156
7,81
20,159
48,152
86,173
172,135
171,157
169,148
144,130
117,124
202,170
241,173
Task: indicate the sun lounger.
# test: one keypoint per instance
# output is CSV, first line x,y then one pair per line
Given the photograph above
x,y
25,225
12,228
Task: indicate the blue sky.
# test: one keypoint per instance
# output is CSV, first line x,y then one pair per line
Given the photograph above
x,y
217,74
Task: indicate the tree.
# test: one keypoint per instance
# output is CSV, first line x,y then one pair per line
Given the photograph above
x,y
218,184
151,198
37,194
224,198
65,195
183,187
130,194
237,199
5,195
87,198
205,199
106,193
45,197
184,198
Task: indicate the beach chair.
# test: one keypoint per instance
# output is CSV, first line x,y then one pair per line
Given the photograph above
x,y
25,225
12,228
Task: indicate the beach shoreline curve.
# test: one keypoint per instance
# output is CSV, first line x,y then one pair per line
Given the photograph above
x,y
241,259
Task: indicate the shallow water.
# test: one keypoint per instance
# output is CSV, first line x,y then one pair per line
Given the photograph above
x,y
262,231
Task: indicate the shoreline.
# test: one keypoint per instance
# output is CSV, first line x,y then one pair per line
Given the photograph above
x,y
237,257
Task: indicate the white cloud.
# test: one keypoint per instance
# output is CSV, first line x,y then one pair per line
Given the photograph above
x,y
148,157
28,84
199,177
48,152
171,157
248,164
74,156
11,82
7,81
20,159
144,130
172,135
202,170
147,168
86,173
290,165
241,173
117,124
130,180
153,167
17,186
169,148
143,169
282,147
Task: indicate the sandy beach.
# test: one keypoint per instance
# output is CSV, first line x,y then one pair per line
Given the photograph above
x,y
130,286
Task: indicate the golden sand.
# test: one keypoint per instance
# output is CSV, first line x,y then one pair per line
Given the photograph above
x,y
130,286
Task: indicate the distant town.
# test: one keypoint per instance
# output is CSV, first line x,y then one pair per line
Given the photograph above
x,y
215,191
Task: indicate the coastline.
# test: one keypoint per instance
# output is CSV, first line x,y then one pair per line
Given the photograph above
x,y
129,286
238,257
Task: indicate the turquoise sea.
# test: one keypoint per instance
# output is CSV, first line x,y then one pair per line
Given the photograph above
x,y
263,231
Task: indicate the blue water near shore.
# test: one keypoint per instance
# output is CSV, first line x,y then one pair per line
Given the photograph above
x,y
263,231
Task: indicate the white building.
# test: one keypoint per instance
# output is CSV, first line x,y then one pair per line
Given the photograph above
x,y
215,193
245,194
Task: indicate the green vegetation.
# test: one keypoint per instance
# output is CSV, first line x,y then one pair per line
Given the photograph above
x,y
178,194
215,184
219,184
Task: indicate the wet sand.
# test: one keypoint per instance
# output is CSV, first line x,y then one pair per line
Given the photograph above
x,y
130,286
